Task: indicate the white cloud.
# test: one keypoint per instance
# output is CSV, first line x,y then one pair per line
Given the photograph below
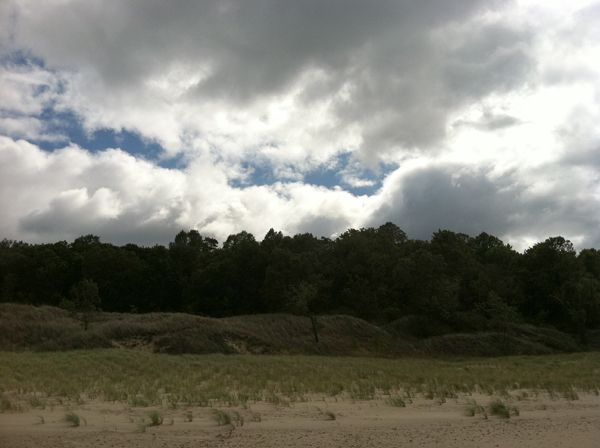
x,y
295,83
49,196
490,110
60,195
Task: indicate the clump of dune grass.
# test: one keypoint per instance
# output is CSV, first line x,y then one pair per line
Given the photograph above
x,y
502,410
472,409
221,417
156,418
396,402
328,415
237,418
499,409
276,399
72,419
138,402
5,404
570,394
36,402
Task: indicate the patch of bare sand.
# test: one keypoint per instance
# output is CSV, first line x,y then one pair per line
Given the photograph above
x,y
319,423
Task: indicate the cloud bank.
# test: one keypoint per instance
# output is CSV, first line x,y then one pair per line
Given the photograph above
x,y
471,115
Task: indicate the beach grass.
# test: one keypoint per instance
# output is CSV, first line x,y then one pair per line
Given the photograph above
x,y
142,378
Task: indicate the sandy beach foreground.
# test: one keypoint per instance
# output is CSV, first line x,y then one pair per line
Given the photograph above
x,y
319,423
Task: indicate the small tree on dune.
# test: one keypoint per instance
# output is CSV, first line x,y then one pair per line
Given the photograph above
x,y
84,299
300,300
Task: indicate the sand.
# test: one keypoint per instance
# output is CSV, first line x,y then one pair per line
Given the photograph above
x,y
319,423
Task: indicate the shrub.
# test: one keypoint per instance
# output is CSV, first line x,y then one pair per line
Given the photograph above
x,y
396,402
155,418
221,417
5,404
73,419
473,409
329,415
237,418
499,409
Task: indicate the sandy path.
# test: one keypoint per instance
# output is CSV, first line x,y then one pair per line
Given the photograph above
x,y
552,423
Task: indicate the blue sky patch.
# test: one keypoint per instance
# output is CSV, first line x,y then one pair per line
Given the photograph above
x,y
69,127
330,175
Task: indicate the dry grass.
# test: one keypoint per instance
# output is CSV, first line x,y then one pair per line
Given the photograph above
x,y
72,419
24,327
133,376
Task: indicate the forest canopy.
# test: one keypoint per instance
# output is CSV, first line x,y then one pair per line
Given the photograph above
x,y
452,281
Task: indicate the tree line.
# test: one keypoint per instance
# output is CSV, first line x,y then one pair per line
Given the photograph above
x,y
453,280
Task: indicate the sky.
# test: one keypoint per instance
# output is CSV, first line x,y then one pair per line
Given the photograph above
x,y
135,119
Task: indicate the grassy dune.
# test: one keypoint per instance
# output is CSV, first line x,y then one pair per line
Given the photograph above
x,y
24,327
141,378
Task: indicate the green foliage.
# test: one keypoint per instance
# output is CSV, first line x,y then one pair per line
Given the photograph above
x,y
72,419
396,402
222,418
232,381
84,296
156,418
456,282
472,409
328,415
5,403
502,410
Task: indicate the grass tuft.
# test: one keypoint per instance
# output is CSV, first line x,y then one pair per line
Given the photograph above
x,y
221,417
502,410
396,402
329,415
5,404
156,418
472,409
72,419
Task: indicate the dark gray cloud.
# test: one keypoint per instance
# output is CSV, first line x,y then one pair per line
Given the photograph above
x,y
393,69
450,197
53,224
587,158
322,225
490,121
254,45
490,58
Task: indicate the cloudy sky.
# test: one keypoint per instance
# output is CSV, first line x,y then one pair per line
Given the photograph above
x,y
133,119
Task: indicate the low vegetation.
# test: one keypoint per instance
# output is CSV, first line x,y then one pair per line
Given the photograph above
x,y
328,415
156,418
222,418
396,402
72,419
240,380
502,410
473,408
45,328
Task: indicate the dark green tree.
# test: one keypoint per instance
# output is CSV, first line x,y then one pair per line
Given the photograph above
x,y
84,300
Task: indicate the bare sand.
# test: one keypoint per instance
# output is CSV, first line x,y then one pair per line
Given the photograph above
x,y
318,423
